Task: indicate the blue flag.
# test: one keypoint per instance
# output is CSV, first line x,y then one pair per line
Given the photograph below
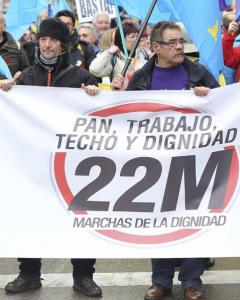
x,y
59,5
55,6
202,20
4,70
237,4
139,10
21,14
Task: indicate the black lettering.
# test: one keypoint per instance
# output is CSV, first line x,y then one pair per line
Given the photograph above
x,y
219,164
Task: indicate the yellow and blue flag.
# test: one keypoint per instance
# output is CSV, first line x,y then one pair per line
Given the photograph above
x,y
201,18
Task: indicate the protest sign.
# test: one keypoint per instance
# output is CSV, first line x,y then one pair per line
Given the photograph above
x,y
121,174
87,9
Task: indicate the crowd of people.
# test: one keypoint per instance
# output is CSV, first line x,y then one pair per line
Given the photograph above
x,y
56,52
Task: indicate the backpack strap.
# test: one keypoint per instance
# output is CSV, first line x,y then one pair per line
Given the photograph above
x,y
61,74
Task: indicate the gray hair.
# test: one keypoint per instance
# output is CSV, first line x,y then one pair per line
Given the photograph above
x,y
88,26
98,15
158,29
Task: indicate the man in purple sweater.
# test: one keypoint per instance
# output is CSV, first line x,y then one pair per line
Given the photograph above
x,y
169,69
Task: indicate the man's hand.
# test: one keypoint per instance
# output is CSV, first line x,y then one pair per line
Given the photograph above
x,y
117,83
233,27
201,91
7,85
91,90
16,75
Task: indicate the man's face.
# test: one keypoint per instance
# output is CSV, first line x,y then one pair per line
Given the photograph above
x,y
86,35
68,21
169,55
102,24
49,47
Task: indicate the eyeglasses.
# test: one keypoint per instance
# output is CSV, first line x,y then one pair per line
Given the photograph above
x,y
173,43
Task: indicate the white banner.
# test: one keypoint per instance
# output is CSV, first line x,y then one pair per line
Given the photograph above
x,y
122,174
87,9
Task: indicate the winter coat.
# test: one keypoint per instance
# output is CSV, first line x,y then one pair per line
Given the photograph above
x,y
231,55
62,75
198,76
109,65
14,56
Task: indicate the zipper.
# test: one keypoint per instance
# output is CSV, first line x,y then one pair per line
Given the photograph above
x,y
49,77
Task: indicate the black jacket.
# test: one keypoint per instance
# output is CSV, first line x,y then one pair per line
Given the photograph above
x,y
29,48
62,75
198,76
14,56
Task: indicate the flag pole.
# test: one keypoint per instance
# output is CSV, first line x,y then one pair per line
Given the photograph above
x,y
121,28
142,28
49,8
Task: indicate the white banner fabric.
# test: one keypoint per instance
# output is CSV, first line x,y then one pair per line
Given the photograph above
x,y
121,174
87,9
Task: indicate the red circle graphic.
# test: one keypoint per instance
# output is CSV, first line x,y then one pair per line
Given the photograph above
x,y
62,184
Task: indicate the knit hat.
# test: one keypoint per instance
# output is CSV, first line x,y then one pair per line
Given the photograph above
x,y
54,28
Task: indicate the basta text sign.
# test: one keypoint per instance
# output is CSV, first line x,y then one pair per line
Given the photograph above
x,y
87,9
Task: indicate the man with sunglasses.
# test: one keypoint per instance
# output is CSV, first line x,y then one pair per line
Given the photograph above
x,y
169,69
